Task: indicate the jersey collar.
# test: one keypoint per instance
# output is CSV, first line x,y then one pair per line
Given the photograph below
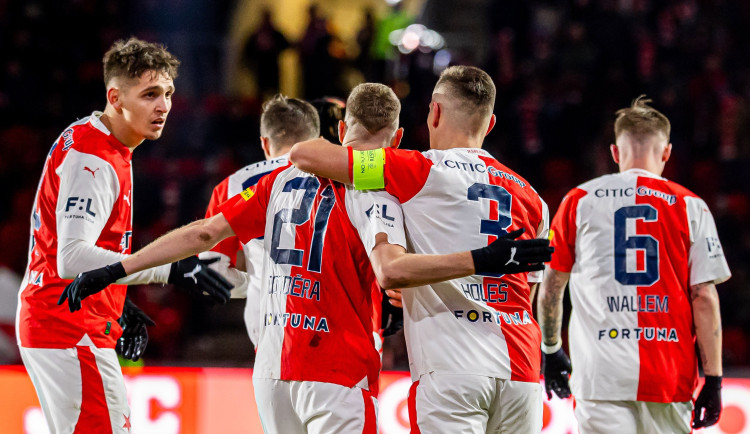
x,y
96,122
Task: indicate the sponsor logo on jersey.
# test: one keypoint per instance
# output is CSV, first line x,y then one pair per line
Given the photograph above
x,y
714,247
482,168
125,241
93,172
247,193
76,203
515,318
296,286
671,199
36,278
375,211
296,320
640,303
647,333
67,136
642,190
126,198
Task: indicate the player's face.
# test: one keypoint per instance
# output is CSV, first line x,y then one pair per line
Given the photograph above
x,y
146,103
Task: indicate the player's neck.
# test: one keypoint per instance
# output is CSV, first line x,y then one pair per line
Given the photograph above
x,y
649,166
120,129
448,139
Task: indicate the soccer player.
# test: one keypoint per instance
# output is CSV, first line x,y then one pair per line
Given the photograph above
x,y
82,219
316,361
643,257
472,342
284,122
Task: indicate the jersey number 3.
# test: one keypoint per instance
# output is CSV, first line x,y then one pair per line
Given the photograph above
x,y
298,216
646,243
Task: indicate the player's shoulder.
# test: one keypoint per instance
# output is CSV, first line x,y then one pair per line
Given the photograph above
x,y
89,136
679,189
249,175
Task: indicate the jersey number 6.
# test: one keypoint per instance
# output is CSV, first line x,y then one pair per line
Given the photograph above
x,y
646,243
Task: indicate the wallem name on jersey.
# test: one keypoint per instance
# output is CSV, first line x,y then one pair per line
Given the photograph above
x,y
75,204
297,286
297,320
515,318
638,333
639,303
641,190
482,168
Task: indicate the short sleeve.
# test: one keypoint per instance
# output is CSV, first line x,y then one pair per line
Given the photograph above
x,y
231,245
405,173
707,262
247,215
375,212
563,232
88,190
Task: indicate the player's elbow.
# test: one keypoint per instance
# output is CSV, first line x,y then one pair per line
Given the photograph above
x,y
301,157
390,276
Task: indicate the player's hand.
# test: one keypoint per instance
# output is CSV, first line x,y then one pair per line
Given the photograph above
x,y
394,297
134,337
392,319
506,255
89,283
708,405
557,370
194,275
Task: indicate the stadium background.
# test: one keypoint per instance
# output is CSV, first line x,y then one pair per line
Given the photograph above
x,y
561,68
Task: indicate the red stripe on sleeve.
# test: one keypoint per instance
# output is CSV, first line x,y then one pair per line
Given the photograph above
x,y
563,230
405,173
231,245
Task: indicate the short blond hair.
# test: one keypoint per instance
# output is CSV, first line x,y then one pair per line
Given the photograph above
x,y
471,86
640,119
374,106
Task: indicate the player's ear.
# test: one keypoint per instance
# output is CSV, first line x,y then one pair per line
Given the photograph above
x,y
265,146
615,153
436,112
493,119
397,136
113,98
666,153
342,131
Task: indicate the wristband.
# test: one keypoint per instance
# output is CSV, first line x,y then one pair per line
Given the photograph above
x,y
551,349
367,169
712,382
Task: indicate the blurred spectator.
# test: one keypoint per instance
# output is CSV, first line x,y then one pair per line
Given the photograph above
x,y
261,55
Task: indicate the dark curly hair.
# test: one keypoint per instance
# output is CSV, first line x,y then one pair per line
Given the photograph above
x,y
133,57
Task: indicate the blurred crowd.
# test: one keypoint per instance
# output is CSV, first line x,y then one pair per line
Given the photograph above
x,y
562,68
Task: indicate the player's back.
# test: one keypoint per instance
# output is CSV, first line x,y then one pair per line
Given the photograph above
x,y
317,304
455,200
631,333
85,192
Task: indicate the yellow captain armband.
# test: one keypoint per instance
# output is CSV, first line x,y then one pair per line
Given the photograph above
x,y
367,169
247,193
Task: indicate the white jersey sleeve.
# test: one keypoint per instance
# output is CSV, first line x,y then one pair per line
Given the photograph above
x,y
88,190
375,212
707,261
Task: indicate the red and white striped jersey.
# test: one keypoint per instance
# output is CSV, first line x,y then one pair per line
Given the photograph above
x,y
317,281
634,243
85,193
231,186
456,200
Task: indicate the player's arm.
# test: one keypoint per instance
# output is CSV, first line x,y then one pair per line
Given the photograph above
x,y
557,366
191,239
707,320
550,305
323,158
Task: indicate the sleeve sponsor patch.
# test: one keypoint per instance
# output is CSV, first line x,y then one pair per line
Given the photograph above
x,y
247,193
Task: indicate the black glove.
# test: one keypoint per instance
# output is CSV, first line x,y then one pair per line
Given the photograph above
x,y
89,283
505,255
393,318
557,369
134,337
708,405
193,274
